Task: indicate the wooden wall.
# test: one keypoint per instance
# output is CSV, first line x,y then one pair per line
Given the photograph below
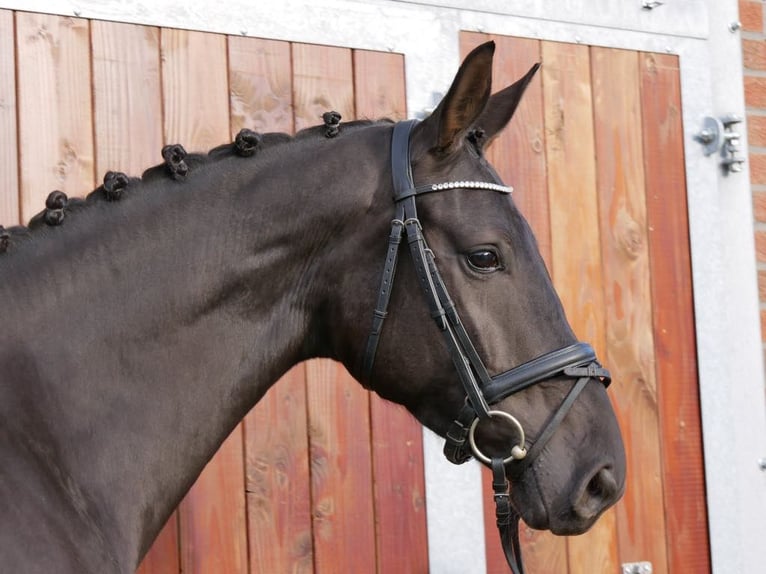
x,y
596,156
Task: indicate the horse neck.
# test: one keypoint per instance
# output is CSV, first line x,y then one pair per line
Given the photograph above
x,y
177,321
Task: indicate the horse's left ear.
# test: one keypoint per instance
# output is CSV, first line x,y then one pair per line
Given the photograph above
x,y
501,106
464,102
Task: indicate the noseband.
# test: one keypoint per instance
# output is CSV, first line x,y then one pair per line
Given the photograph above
x,y
577,361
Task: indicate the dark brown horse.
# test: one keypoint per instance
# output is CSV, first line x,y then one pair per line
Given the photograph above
x,y
140,325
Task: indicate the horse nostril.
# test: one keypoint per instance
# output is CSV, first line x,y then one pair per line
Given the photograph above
x,y
600,492
595,488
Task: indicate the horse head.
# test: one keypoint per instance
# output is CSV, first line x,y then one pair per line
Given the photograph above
x,y
488,357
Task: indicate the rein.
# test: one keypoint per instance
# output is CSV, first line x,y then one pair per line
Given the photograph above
x,y
577,361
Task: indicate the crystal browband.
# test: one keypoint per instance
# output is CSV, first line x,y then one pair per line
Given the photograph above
x,y
421,189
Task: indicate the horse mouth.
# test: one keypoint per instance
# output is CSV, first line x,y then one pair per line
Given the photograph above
x,y
535,515
571,514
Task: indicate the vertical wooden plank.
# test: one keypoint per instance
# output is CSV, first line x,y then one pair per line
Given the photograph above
x,y
339,422
276,430
518,154
127,111
379,85
630,344
341,473
682,457
577,269
397,438
162,557
195,94
9,153
261,88
322,81
127,97
55,111
278,482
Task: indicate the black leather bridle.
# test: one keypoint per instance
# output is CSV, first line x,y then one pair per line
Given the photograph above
x,y
577,361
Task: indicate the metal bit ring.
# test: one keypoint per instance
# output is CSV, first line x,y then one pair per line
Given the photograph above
x,y
517,452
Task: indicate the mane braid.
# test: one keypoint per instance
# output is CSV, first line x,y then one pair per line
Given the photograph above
x,y
178,166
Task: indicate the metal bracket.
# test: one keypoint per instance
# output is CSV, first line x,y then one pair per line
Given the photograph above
x,y
652,4
718,135
637,568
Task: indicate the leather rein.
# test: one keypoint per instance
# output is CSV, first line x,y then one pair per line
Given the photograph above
x,y
577,361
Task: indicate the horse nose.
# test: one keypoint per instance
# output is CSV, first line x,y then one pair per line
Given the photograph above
x,y
600,491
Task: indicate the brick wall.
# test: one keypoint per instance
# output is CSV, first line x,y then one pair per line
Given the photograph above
x,y
751,15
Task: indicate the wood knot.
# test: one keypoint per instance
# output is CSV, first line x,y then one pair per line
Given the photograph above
x,y
247,142
332,124
629,236
174,156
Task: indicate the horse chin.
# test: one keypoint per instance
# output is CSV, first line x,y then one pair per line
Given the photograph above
x,y
536,515
541,514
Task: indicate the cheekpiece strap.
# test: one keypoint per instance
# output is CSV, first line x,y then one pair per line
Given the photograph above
x,y
506,517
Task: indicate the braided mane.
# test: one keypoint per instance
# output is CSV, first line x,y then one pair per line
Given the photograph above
x,y
176,167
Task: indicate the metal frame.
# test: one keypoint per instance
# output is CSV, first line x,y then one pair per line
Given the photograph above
x,y
720,211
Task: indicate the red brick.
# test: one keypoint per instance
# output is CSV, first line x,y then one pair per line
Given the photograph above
x,y
758,168
754,54
751,15
756,130
760,246
762,286
759,206
755,92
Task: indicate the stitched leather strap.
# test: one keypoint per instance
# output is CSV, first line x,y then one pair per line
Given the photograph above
x,y
384,293
506,517
544,367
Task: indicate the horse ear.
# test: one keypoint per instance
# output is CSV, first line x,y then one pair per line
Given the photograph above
x,y
463,103
501,107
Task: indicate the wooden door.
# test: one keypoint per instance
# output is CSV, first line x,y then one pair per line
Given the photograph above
x,y
596,156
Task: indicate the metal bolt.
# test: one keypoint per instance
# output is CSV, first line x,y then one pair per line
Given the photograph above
x,y
734,26
652,4
762,463
707,136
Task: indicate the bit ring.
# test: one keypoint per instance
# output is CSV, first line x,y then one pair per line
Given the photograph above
x,y
517,452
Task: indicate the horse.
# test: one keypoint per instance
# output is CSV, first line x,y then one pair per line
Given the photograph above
x,y
141,324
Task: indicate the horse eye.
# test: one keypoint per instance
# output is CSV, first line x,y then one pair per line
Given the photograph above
x,y
484,260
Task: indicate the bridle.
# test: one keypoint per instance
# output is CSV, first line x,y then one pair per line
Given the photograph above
x,y
577,361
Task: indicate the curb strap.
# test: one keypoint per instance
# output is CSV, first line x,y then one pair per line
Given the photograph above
x,y
507,518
